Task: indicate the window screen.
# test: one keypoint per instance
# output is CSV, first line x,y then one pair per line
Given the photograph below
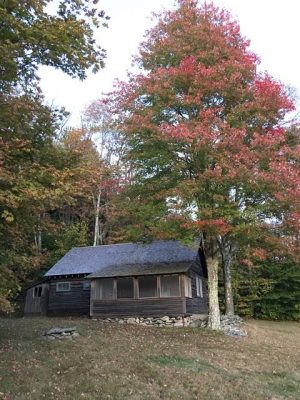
x,y
125,288
37,291
169,286
147,286
104,289
63,287
187,286
86,285
199,286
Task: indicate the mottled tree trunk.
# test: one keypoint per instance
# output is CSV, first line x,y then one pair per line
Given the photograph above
x,y
214,309
229,305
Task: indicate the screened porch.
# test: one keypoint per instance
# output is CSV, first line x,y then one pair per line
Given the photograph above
x,y
142,287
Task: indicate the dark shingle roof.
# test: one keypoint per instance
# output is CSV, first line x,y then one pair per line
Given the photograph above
x,y
128,258
141,269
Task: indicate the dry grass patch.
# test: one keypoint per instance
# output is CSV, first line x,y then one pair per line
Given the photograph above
x,y
112,361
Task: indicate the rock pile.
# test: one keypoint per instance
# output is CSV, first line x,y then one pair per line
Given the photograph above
x,y
231,326
61,333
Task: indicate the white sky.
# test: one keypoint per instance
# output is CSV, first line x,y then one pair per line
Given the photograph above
x,y
272,26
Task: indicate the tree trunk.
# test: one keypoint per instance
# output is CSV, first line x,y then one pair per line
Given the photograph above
x,y
38,240
229,305
97,214
214,309
227,258
38,235
103,230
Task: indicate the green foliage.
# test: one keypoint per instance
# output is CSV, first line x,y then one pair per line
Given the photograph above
x,y
271,290
283,301
31,36
36,173
75,235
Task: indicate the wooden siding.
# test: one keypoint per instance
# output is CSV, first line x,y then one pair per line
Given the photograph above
x,y
155,306
151,306
197,305
36,305
78,301
74,302
138,307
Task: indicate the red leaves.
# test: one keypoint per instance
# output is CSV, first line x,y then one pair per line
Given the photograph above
x,y
292,222
218,120
111,186
187,65
247,263
212,227
271,95
259,253
272,139
179,132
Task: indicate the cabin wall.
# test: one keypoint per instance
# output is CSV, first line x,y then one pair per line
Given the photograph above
x,y
196,304
155,306
36,306
138,307
75,302
78,301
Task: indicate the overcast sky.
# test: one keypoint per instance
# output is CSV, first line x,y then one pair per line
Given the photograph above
x,y
272,26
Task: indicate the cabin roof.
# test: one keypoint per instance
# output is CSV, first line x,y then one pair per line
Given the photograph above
x,y
140,269
37,283
164,256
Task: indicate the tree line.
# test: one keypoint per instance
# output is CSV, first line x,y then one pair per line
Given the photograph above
x,y
193,145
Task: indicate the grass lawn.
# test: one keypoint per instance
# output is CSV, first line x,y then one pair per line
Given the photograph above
x,y
119,362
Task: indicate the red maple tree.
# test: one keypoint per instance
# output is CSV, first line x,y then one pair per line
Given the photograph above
x,y
202,113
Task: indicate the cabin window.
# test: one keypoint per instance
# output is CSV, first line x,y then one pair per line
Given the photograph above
x,y
199,286
125,288
169,286
37,291
104,289
147,286
63,286
187,286
86,285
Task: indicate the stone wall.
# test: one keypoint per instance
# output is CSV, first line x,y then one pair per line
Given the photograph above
x,y
230,325
196,320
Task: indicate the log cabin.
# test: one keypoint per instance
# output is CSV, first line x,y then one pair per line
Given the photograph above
x,y
123,280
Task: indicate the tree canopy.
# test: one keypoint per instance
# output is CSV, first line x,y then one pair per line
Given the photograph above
x,y
35,175
31,36
205,135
